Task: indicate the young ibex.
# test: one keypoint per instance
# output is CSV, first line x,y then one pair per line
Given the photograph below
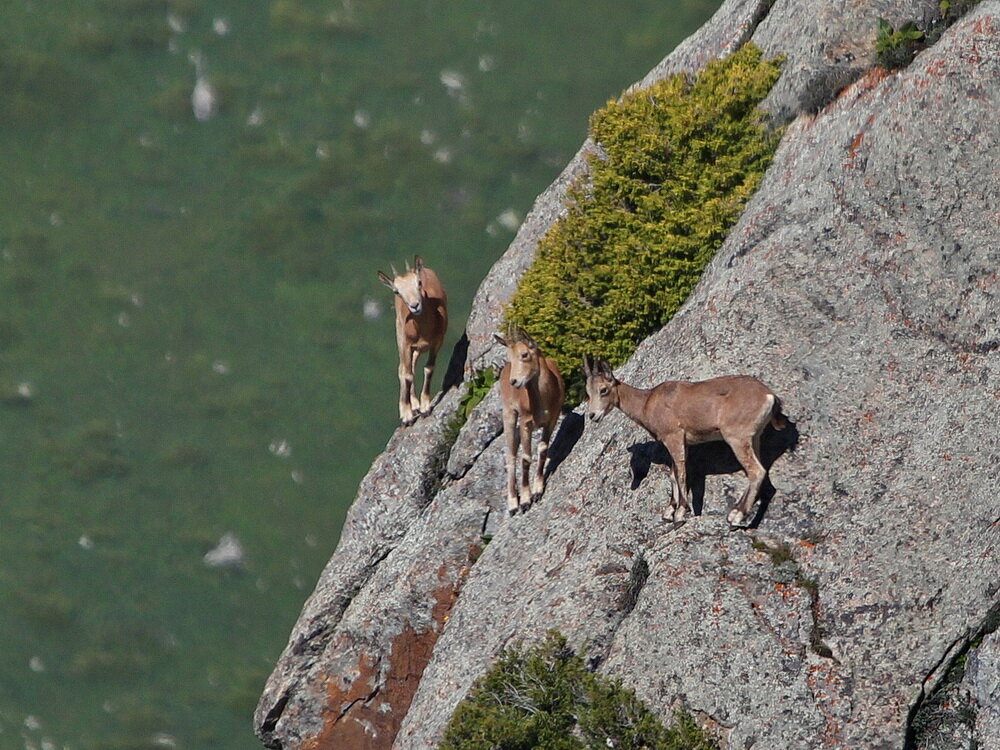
x,y
421,322
532,391
735,409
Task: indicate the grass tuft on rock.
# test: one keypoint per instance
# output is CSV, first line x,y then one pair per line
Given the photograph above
x,y
546,697
678,162
896,47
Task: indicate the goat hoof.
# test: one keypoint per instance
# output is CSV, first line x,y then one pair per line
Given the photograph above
x,y
679,514
736,518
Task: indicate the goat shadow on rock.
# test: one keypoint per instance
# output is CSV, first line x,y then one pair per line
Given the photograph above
x,y
454,375
569,433
715,458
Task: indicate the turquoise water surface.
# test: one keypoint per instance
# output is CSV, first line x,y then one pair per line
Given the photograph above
x,y
193,342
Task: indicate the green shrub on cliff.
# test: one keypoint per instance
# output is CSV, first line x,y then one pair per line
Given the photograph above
x,y
680,159
546,697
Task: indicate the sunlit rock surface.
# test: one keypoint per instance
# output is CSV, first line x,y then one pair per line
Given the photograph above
x,y
861,285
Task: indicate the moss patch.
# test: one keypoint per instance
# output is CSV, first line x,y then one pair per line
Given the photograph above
x,y
546,697
680,159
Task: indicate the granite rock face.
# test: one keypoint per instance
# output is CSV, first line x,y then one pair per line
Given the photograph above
x,y
862,285
982,679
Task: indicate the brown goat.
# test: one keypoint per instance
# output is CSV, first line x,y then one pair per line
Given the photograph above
x,y
421,322
532,390
735,409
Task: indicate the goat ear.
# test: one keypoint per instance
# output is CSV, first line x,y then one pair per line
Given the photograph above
x,y
386,280
418,263
604,369
500,340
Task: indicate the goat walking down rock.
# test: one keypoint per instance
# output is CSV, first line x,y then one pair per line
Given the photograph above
x,y
735,409
532,390
421,322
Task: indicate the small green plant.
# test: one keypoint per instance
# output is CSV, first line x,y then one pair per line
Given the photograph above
x,y
896,48
478,388
782,556
679,161
545,697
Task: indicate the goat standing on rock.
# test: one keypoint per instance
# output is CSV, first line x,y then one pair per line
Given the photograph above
x,y
421,322
532,390
735,409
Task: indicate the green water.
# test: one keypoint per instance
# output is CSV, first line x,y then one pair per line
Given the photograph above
x,y
183,346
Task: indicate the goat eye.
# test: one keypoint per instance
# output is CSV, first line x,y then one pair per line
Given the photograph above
x,y
604,391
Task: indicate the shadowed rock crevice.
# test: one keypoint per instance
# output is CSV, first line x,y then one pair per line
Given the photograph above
x,y
483,426
783,558
944,714
628,581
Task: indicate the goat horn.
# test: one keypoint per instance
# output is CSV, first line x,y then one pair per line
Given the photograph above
x,y
527,339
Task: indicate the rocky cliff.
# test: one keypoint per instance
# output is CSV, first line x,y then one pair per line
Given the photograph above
x,y
861,284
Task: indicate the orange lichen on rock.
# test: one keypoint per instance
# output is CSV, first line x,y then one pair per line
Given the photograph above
x,y
366,713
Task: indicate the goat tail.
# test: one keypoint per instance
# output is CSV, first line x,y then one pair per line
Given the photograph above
x,y
778,419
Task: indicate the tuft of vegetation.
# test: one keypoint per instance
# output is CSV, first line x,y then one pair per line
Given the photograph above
x,y
946,714
779,554
679,161
946,717
476,389
896,48
782,557
637,578
546,697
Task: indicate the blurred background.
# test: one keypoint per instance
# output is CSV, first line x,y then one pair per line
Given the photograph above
x,y
197,362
